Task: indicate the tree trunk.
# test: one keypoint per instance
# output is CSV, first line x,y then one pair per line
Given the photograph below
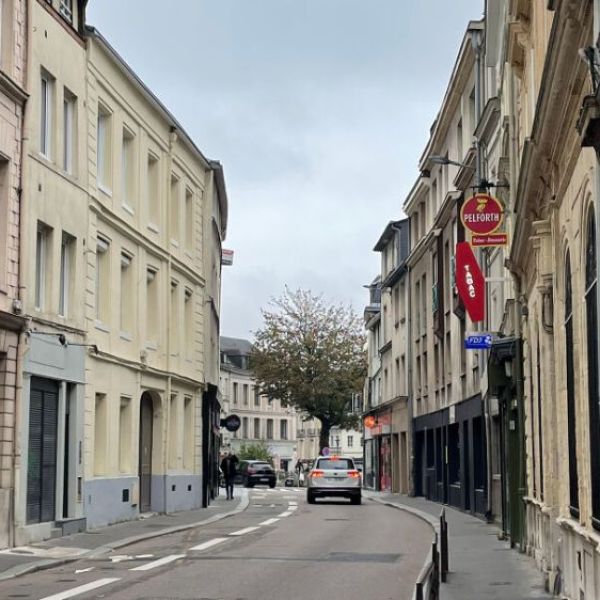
x,y
324,435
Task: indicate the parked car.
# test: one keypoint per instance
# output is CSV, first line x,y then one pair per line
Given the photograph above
x,y
256,472
334,476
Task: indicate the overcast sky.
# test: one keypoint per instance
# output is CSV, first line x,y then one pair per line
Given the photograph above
x,y
318,110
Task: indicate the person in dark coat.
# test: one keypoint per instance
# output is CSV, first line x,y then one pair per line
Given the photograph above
x,y
229,468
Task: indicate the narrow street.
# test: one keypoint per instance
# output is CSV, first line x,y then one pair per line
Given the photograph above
x,y
279,547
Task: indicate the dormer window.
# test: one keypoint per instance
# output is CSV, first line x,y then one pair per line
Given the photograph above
x,y
66,10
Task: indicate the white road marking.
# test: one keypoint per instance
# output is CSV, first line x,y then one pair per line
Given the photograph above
x,y
158,563
287,513
82,589
292,508
208,544
244,531
269,522
293,503
144,556
84,570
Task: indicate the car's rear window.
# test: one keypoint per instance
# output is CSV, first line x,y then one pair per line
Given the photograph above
x,y
260,465
335,463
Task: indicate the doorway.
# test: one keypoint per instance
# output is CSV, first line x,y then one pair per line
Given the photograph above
x,y
42,451
145,451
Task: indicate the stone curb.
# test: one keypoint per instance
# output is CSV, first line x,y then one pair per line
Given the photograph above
x,y
49,563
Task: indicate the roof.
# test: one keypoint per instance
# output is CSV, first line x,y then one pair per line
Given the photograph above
x,y
387,235
235,346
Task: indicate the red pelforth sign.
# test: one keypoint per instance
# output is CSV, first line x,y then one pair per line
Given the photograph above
x,y
482,214
470,282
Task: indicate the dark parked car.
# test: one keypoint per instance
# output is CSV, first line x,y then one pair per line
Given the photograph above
x,y
256,472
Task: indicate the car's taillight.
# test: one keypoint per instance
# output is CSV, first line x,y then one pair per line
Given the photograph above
x,y
317,474
354,474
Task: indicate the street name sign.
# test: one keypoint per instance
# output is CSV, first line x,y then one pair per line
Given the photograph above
x,y
481,341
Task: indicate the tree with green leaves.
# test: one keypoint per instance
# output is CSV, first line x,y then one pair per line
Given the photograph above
x,y
256,451
310,355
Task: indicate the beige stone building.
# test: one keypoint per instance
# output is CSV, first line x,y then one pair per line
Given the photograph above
x,y
261,420
122,238
386,417
13,36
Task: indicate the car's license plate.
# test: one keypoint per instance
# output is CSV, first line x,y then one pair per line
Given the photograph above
x,y
264,479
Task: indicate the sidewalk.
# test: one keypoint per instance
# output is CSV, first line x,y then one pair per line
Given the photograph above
x,y
96,542
481,566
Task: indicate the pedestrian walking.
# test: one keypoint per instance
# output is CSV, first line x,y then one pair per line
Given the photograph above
x,y
229,468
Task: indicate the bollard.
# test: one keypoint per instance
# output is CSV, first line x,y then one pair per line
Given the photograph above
x,y
419,591
443,546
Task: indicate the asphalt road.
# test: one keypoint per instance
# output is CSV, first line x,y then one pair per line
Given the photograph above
x,y
280,547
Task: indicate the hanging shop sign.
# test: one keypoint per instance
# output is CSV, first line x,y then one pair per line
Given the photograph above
x,y
479,341
482,215
485,241
231,423
470,282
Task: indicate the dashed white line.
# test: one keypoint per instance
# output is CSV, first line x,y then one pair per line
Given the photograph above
x,y
287,513
292,508
159,563
209,544
293,503
244,531
269,522
82,589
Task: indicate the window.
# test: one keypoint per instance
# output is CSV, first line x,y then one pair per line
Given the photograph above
x,y
126,321
174,320
189,323
127,169
189,220
459,141
46,94
245,392
100,434
269,429
102,280
152,190
350,441
125,436
103,143
256,396
188,433
67,252
256,428
42,254
4,212
152,316
283,429
571,402
69,116
591,309
235,393
65,9
174,208
245,427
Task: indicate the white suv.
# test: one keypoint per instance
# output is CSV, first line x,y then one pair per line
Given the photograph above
x,y
334,476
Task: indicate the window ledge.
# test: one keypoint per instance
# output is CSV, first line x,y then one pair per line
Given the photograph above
x,y
174,243
102,327
189,255
105,190
125,335
128,209
152,227
151,346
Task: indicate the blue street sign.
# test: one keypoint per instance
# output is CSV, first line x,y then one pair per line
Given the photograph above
x,y
478,342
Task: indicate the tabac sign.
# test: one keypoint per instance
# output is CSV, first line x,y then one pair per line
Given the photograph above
x,y
470,282
483,215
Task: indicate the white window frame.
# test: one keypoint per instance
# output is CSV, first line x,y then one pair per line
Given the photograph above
x,y
46,92
126,264
41,252
102,247
65,9
103,149
127,167
69,111
65,275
